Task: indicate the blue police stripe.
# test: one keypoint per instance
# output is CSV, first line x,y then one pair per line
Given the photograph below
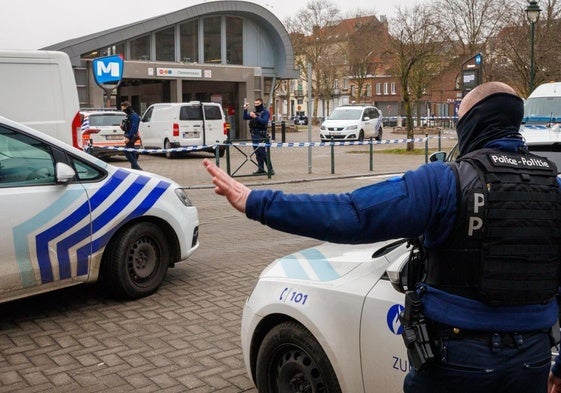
x,y
42,239
319,263
97,244
21,233
292,268
63,247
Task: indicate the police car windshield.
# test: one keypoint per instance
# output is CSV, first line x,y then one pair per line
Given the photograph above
x,y
542,109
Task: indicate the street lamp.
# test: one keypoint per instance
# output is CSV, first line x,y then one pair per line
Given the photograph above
x,y
533,14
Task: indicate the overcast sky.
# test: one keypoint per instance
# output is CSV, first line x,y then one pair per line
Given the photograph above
x,y
34,24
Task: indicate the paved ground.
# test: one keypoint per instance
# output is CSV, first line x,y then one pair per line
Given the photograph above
x,y
184,338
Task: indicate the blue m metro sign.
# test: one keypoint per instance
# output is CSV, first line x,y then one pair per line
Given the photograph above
x,y
108,70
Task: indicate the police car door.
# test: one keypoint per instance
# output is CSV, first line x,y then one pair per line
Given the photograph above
x,y
39,216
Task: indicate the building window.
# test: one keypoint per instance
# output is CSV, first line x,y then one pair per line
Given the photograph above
x,y
165,45
393,91
212,40
386,88
368,90
189,38
140,48
378,89
234,40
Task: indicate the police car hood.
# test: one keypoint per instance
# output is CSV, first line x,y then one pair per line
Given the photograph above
x,y
327,262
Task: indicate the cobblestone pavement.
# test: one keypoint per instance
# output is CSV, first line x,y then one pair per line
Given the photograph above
x,y
184,338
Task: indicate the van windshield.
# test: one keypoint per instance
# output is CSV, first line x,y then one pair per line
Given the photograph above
x,y
542,109
345,114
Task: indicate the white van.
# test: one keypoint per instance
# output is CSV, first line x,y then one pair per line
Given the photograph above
x,y
182,124
39,90
542,109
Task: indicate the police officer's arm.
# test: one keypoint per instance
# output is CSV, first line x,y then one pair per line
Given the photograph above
x,y
404,207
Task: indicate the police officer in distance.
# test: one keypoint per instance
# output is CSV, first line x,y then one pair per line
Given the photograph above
x,y
258,122
491,230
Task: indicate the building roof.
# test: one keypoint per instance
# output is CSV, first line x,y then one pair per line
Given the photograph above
x,y
284,67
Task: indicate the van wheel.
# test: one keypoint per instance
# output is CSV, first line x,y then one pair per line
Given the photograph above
x,y
137,261
291,360
380,133
169,154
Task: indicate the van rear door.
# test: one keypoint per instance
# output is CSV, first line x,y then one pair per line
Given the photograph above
x,y
191,125
214,124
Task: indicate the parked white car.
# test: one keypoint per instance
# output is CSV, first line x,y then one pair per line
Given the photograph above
x,y
326,318
70,218
352,122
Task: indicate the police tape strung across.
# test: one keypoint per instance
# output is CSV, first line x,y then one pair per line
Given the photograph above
x,y
274,145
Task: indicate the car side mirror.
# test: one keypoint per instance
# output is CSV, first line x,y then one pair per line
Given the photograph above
x,y
366,118
64,173
438,156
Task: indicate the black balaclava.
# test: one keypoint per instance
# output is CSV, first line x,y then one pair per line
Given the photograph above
x,y
128,110
259,108
496,116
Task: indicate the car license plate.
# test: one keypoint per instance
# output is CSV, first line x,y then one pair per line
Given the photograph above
x,y
191,134
113,137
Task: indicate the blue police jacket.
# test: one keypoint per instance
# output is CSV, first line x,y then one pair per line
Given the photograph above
x,y
134,120
421,202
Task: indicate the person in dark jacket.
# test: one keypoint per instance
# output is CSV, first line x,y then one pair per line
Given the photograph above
x,y
490,224
130,127
258,122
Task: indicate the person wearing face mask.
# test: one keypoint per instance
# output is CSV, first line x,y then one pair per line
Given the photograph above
x,y
258,122
482,311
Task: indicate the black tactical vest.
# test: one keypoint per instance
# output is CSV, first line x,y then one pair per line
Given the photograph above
x,y
505,248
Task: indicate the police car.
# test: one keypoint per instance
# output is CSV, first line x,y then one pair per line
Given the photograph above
x,y
325,319
100,129
70,218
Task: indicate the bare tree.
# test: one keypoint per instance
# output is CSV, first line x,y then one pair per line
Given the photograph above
x,y
471,23
363,47
414,45
309,30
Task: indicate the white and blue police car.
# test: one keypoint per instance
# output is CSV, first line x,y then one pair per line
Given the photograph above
x,y
70,218
325,319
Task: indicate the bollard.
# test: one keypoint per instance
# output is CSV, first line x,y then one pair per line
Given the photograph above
x,y
228,168
371,155
426,148
283,131
273,130
332,156
439,140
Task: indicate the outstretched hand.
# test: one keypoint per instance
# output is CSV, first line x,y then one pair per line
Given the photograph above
x,y
554,384
235,192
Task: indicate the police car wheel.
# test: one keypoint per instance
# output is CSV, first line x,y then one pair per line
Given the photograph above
x,y
380,133
169,154
137,261
361,136
291,360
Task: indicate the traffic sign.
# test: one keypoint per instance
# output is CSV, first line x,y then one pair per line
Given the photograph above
x,y
108,70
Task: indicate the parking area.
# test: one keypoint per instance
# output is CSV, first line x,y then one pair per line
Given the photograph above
x,y
186,336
